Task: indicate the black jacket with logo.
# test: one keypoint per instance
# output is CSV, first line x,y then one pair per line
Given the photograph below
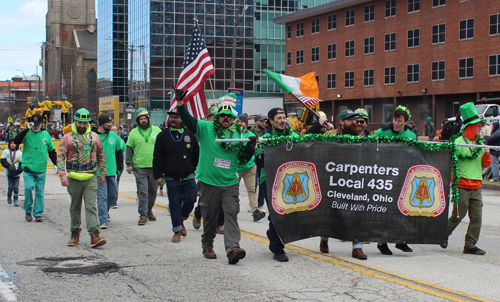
x,y
175,155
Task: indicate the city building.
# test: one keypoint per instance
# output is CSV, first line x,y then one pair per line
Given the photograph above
x,y
69,55
142,46
430,56
14,95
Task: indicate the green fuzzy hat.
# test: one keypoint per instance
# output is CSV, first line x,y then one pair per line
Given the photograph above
x,y
469,114
141,112
227,104
82,115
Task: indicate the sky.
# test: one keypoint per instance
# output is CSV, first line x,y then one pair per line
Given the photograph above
x,y
22,31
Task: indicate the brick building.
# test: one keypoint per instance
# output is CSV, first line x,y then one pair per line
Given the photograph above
x,y
429,55
71,47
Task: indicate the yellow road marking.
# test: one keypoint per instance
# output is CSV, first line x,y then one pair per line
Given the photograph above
x,y
415,284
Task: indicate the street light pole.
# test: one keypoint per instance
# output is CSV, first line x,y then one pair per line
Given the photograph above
x,y
236,18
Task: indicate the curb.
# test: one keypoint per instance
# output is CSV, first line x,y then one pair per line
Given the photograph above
x,y
487,185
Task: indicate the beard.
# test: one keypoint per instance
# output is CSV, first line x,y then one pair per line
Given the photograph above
x,y
81,130
144,125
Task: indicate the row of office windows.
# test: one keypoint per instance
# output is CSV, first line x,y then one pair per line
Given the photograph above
x,y
466,26
438,73
413,40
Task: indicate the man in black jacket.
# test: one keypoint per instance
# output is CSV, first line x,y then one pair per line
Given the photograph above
x,y
494,140
175,158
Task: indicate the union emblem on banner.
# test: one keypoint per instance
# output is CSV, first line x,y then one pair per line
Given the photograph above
x,y
422,193
296,188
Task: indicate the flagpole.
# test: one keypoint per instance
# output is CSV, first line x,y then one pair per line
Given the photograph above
x,y
212,88
298,99
71,81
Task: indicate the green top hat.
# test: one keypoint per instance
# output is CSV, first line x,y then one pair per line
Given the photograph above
x,y
82,115
227,104
469,114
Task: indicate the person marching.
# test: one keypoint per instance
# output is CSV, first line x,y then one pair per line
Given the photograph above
x,y
247,172
65,106
351,123
277,119
216,173
47,108
398,128
37,143
23,124
139,159
31,111
80,155
108,192
119,171
470,180
175,158
11,160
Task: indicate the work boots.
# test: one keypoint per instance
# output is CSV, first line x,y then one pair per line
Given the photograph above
x,y
96,240
75,239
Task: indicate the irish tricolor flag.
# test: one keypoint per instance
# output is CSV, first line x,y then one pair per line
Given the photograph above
x,y
305,85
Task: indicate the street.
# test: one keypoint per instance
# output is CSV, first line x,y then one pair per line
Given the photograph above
x,y
140,263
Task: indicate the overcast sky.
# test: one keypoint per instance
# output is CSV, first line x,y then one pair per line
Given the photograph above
x,y
22,31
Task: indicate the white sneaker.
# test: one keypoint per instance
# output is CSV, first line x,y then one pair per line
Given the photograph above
x,y
103,226
262,209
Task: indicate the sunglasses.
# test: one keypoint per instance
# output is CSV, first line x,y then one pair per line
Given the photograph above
x,y
360,122
225,115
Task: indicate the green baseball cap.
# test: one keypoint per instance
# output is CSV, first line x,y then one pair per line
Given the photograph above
x,y
347,114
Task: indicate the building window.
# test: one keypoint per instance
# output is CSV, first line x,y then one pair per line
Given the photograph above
x,y
299,57
466,68
390,42
349,79
495,24
331,81
369,45
438,70
414,38
315,26
466,29
413,73
368,77
370,13
436,3
390,75
315,54
317,79
349,17
332,21
289,58
438,33
289,31
390,8
332,51
349,48
413,6
494,65
300,29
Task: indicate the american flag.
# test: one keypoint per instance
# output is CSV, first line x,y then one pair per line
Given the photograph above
x,y
196,69
63,81
309,101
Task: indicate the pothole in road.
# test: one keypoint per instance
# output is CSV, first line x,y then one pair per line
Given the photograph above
x,y
72,265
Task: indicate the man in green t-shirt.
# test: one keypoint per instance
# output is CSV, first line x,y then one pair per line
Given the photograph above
x,y
37,143
247,172
398,128
216,173
140,148
108,191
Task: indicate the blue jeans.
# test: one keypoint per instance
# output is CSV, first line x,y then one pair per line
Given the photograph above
x,y
181,199
262,194
118,176
106,195
13,183
494,166
34,180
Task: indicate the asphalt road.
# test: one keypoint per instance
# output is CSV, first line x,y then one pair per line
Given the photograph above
x,y
141,263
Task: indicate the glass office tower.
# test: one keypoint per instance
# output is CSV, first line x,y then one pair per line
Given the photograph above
x,y
112,42
159,33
